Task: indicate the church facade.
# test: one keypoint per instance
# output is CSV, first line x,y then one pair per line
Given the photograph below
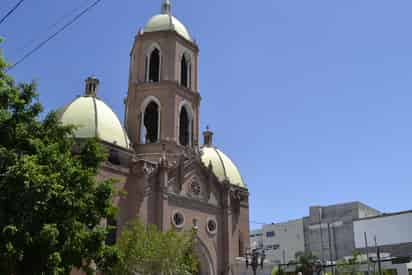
x,y
169,178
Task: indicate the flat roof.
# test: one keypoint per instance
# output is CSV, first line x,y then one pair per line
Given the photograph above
x,y
383,215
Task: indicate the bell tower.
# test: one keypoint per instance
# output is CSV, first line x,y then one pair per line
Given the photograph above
x,y
162,104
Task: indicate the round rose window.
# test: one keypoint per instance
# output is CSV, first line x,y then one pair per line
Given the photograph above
x,y
178,219
211,226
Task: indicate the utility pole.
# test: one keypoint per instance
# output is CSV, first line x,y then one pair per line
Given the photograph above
x,y
374,264
367,254
334,243
322,258
379,260
330,249
378,254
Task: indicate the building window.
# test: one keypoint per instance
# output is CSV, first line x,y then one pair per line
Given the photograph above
x,y
211,226
270,234
150,127
185,75
272,247
185,128
178,220
154,66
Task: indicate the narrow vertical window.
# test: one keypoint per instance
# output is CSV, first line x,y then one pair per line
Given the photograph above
x,y
184,72
150,128
184,131
154,70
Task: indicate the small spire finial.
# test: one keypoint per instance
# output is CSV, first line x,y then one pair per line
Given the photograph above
x,y
166,7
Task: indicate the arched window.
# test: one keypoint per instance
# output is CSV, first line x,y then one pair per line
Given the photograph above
x,y
150,127
185,128
184,76
154,66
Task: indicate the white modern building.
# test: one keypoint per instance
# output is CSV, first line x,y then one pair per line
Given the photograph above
x,y
256,240
333,232
392,232
280,241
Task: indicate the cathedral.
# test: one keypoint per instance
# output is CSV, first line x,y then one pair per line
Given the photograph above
x,y
170,179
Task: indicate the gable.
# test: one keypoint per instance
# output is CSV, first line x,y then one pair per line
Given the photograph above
x,y
190,179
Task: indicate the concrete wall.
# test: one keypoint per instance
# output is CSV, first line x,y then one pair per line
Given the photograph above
x,y
329,229
256,240
389,230
286,241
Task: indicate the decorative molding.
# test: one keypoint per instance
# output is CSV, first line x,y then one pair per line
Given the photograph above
x,y
190,203
142,168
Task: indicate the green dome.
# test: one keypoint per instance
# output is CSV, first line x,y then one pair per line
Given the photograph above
x,y
161,22
222,166
94,118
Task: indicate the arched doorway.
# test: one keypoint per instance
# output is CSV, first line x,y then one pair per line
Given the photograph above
x,y
206,266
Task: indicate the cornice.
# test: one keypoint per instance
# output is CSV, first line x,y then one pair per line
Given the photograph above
x,y
186,202
167,86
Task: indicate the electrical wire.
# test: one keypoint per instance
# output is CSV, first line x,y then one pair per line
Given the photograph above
x,y
11,11
60,30
52,26
255,222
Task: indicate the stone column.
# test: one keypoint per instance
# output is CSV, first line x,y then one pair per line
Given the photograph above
x,y
162,202
227,230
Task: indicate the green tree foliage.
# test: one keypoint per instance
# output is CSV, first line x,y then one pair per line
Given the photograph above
x,y
145,250
351,265
51,205
306,262
277,271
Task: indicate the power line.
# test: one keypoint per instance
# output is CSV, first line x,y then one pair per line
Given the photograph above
x,y
11,11
53,26
44,42
255,222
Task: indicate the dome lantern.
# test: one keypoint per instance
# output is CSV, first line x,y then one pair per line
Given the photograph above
x,y
208,137
92,85
166,7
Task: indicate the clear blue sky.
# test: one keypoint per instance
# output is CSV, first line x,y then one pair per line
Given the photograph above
x,y
312,99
